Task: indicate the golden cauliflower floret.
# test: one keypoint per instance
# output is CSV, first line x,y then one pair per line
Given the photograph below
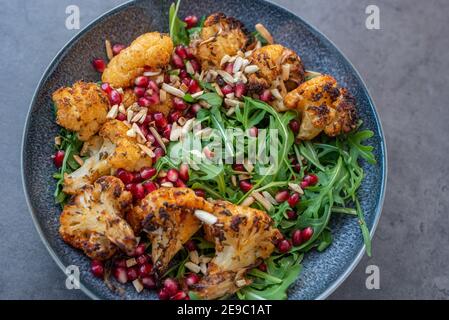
x,y
345,119
93,220
220,36
152,50
275,61
81,108
129,97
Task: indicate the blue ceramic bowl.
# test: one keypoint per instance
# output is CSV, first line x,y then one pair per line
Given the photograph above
x,y
322,272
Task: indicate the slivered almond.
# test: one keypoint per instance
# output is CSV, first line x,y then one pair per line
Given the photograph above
x,y
234,181
295,187
218,89
203,268
231,111
131,262
226,76
138,131
264,202
152,73
146,150
248,201
163,95
158,138
237,64
121,108
248,53
206,217
131,133
232,102
192,267
138,285
78,159
204,259
197,94
208,40
172,90
248,165
194,257
129,114
276,94
244,177
58,140
285,71
167,184
269,197
244,78
175,132
141,114
264,33
251,68
224,59
230,95
112,114
189,68
182,121
159,79
108,47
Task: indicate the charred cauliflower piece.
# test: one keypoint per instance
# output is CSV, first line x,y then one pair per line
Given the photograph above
x,y
275,61
93,220
220,36
243,237
112,150
81,108
152,50
323,106
167,216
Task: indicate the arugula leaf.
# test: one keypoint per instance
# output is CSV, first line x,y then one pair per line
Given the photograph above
x,y
259,37
178,31
193,32
211,98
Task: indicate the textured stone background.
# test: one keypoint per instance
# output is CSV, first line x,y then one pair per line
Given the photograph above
x,y
404,65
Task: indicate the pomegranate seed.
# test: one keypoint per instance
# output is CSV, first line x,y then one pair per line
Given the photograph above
x,y
153,86
148,282
117,48
263,267
99,64
190,245
138,191
158,152
145,269
121,274
177,61
144,102
141,81
142,259
307,233
245,186
125,176
97,268
293,199
297,238
291,214
160,120
129,186
179,104
189,52
115,97
149,186
227,89
121,117
294,126
180,184
163,180
181,52
238,167
172,175
195,65
240,89
194,86
139,91
144,129
297,167
147,173
140,250
200,193
58,158
284,246
304,184
282,196
171,286
120,263
180,295
184,172
191,279
137,177
311,179
167,131
132,274
183,74
266,95
191,21
195,108
253,132
152,139
229,68
106,87
163,294
148,119
154,99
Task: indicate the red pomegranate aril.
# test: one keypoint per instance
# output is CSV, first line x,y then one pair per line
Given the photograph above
x,y
253,132
99,64
304,184
125,176
181,52
282,196
142,259
294,126
120,263
266,95
145,269
177,61
291,214
144,102
297,238
138,191
307,233
200,193
180,295
172,175
153,86
167,131
163,294
190,245
140,250
158,152
194,86
293,199
141,81
284,246
189,52
97,268
106,87
297,167
117,48
227,89
121,274
129,186
229,68
147,173
195,108
121,117
192,279
139,91
154,99
160,120
195,65
186,81
132,274
238,167
183,74
149,186
180,184
191,21
262,267
115,97
311,179
240,89
58,158
179,104
184,172
151,139
137,177
171,286
245,186
148,119
148,282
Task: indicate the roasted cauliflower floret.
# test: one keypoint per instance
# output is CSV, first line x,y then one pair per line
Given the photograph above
x,y
93,219
167,216
81,108
243,237
323,106
152,50
275,61
220,36
117,151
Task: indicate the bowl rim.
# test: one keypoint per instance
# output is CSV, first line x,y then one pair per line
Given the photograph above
x,y
341,278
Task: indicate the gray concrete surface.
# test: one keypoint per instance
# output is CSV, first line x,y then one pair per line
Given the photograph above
x,y
405,67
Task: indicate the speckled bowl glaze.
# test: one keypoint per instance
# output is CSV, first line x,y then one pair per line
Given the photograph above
x,y
322,272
